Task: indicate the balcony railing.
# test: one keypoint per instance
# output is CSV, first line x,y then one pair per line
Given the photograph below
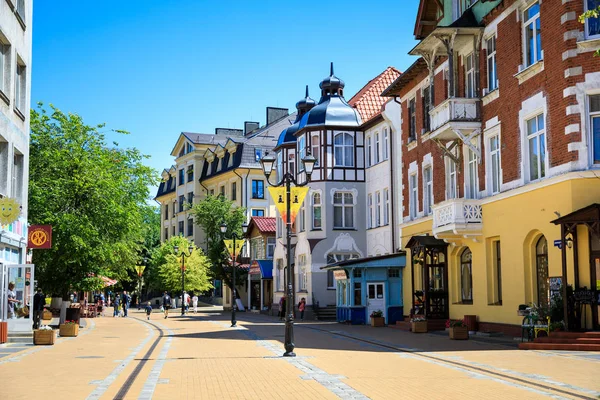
x,y
455,109
457,215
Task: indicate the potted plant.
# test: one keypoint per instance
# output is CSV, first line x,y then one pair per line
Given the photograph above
x,y
43,336
458,329
69,328
418,324
377,318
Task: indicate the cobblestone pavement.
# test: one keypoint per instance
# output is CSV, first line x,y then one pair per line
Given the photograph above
x,y
201,356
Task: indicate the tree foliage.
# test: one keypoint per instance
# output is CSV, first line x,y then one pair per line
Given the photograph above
x,y
93,195
168,266
209,214
590,14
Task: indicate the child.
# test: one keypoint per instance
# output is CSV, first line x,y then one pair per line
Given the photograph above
x,y
148,310
301,307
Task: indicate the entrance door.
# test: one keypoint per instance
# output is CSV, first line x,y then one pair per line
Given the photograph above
x,y
596,285
376,298
17,281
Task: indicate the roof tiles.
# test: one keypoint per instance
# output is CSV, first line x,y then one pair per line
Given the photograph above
x,y
368,101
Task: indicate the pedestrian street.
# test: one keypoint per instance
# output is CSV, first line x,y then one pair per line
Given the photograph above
x,y
199,356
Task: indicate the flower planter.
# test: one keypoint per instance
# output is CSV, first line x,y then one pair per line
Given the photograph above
x,y
377,321
43,337
69,330
46,315
459,332
419,327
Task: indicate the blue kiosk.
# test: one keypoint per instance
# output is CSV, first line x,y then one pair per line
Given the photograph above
x,y
366,285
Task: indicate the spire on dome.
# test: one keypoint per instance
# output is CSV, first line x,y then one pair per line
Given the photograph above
x,y
305,105
332,85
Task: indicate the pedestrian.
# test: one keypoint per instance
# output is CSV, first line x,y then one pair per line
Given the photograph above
x,y
195,303
301,307
282,308
126,300
116,302
148,310
39,301
166,303
12,300
186,300
102,303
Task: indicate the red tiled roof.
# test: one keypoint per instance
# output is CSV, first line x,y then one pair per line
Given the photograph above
x,y
368,101
265,224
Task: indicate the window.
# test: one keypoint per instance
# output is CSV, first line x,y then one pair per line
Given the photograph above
x,y
21,10
369,152
190,173
181,228
20,88
370,208
315,149
541,266
426,108
343,210
358,293
316,210
181,202
258,189
190,227
385,144
357,273
494,149
212,192
302,272
343,145
592,25
166,212
498,265
190,199
386,206
280,165
595,127
257,154
302,218
222,190
470,76
466,278
330,280
166,233
4,67
378,208
233,191
394,273
412,121
492,77
271,243
279,275
174,232
451,186
174,208
536,145
301,152
258,212
413,196
532,35
427,190
18,175
377,150
181,177
472,181
279,228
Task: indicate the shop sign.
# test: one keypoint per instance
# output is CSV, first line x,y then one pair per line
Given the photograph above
x,y
340,274
39,237
254,268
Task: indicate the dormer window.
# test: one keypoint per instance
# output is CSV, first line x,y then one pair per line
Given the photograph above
x,y
257,154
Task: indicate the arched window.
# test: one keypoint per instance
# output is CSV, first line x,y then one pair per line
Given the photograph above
x,y
369,152
343,144
301,153
316,224
541,266
466,277
385,143
377,151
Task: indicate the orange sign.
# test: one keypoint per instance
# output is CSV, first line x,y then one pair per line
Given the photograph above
x,y
254,268
39,237
279,195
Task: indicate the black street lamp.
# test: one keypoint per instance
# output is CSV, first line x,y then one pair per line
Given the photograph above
x,y
139,269
233,294
267,165
183,255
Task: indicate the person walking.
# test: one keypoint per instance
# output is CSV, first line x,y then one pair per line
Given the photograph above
x,y
166,303
282,308
126,300
39,301
301,307
116,303
186,301
195,303
148,310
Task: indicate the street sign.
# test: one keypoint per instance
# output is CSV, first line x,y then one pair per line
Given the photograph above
x,y
39,237
558,243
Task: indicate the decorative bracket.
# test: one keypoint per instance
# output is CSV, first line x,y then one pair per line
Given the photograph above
x,y
448,150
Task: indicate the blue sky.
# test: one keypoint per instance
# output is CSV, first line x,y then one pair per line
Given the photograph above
x,y
157,68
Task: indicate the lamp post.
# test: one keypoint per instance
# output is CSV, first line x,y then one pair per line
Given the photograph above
x,y
183,255
139,269
267,165
233,294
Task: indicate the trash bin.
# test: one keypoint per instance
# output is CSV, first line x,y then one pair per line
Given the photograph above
x,y
471,321
73,314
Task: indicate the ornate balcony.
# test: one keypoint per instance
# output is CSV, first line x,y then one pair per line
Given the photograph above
x,y
457,217
454,115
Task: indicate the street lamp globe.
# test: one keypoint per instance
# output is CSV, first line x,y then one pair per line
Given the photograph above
x,y
309,163
190,249
244,228
267,164
176,249
223,227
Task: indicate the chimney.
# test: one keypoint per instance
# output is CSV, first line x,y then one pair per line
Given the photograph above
x,y
250,126
229,132
274,114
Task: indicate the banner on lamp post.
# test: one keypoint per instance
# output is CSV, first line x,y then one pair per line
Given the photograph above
x,y
297,196
238,246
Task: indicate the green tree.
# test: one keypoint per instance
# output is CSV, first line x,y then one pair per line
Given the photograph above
x,y
168,266
209,214
92,194
590,14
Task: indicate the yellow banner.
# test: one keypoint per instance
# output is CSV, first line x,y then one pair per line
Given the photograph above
x,y
297,195
238,246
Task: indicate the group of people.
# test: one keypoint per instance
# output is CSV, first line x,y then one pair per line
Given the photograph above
x,y
121,304
282,308
167,304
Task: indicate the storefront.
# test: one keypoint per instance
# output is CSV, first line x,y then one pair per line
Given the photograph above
x,y
260,284
368,285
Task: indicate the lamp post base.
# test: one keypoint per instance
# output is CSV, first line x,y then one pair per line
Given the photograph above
x,y
289,354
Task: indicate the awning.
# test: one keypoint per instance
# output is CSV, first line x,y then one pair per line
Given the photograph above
x,y
396,260
107,281
264,268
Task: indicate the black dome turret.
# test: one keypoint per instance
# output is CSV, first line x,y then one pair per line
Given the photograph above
x,y
332,85
305,105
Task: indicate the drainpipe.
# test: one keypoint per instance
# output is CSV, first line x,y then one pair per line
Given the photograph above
x,y
393,213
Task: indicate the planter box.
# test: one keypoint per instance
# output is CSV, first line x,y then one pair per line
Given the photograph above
x,y
378,321
419,327
46,315
459,333
43,337
68,330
